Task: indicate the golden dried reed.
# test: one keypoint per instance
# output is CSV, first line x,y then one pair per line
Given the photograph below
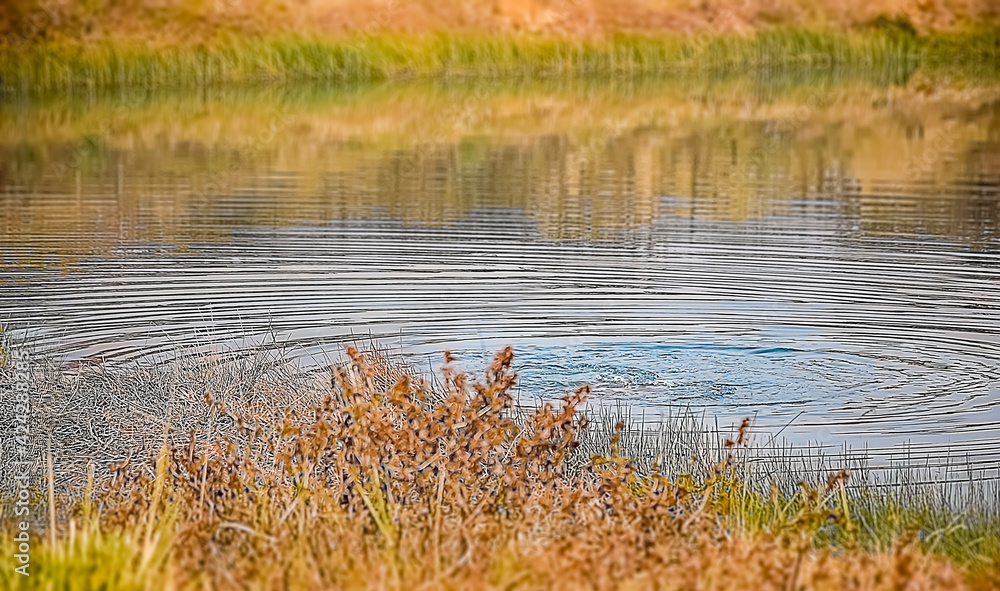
x,y
390,485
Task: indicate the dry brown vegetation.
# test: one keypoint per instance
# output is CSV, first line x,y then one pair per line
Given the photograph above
x,y
172,20
392,484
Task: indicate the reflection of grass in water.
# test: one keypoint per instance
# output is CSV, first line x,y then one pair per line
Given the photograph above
x,y
439,104
662,133
378,482
399,115
59,66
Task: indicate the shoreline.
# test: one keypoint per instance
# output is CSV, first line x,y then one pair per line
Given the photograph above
x,y
221,433
67,66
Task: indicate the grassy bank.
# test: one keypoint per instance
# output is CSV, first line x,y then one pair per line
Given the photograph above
x,y
59,66
378,480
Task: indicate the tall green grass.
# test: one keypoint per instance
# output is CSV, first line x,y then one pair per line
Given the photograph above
x,y
953,512
61,66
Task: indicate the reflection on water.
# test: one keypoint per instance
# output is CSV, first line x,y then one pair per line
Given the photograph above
x,y
583,162
819,250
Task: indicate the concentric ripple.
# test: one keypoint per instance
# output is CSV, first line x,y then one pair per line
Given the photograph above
x,y
831,310
870,345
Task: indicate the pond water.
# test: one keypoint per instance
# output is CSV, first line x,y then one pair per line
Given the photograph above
x,y
822,254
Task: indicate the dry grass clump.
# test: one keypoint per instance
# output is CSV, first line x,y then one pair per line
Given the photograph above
x,y
393,485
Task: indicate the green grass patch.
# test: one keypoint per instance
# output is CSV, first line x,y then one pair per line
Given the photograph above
x,y
61,66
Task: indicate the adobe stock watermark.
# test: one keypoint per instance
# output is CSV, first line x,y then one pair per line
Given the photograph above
x,y
938,146
560,12
221,180
377,24
47,14
610,130
459,118
780,133
359,41
20,463
90,143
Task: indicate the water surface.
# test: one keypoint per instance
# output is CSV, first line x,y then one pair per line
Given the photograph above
x,y
822,255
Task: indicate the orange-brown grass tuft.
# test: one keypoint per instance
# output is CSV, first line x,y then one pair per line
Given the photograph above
x,y
392,485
